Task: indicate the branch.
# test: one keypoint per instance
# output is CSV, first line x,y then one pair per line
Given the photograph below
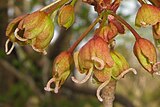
x,y
92,91
25,78
108,94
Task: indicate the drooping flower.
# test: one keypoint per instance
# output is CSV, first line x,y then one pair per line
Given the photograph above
x,y
95,54
35,29
147,15
119,69
66,16
145,52
62,67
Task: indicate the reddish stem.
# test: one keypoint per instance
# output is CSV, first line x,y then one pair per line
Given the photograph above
x,y
71,49
136,35
141,2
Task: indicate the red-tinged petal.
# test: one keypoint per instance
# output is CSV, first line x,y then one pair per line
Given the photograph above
x,y
118,25
148,49
112,32
102,75
102,51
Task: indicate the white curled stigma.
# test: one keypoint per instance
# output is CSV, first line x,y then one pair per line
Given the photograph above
x,y
18,37
44,52
125,72
99,90
155,68
6,47
48,88
100,61
85,79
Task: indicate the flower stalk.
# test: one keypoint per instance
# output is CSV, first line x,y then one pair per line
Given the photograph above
x,y
108,94
54,6
141,2
136,35
71,49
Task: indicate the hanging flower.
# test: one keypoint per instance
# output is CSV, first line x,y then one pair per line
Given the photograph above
x,y
119,69
66,16
95,54
35,29
145,52
62,66
147,15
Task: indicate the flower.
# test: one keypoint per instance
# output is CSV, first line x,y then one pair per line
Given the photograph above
x,y
62,67
35,29
66,16
94,55
147,15
145,52
116,72
107,32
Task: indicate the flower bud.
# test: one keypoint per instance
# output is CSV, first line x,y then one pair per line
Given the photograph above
x,y
66,16
62,66
108,32
119,26
145,52
147,15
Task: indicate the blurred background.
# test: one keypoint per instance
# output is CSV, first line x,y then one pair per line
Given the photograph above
x,y
24,73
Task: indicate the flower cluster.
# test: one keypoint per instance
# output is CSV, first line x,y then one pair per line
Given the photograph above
x,y
97,59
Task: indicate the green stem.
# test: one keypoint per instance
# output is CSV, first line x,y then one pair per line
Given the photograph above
x,y
54,6
71,49
73,2
136,35
104,18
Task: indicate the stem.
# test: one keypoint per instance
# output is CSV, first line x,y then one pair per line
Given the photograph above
x,y
73,2
108,94
71,49
136,35
141,2
54,6
105,15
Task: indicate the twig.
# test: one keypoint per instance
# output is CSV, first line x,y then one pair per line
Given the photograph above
x,y
108,94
